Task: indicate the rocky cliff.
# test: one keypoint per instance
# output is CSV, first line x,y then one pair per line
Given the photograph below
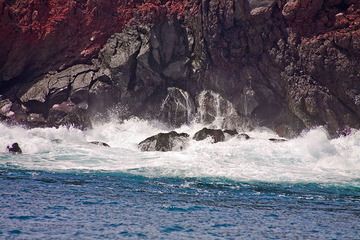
x,y
288,65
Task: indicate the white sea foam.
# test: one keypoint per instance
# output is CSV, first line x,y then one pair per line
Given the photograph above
x,y
309,158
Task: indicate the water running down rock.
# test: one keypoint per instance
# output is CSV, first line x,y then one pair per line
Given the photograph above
x,y
251,66
275,83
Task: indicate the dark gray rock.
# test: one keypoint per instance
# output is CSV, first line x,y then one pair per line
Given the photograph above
x,y
165,142
69,115
103,95
216,135
36,120
57,87
101,144
177,108
14,148
214,109
231,132
243,136
126,58
5,108
247,63
20,113
277,140
140,63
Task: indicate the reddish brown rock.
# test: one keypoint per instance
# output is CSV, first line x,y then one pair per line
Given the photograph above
x,y
36,36
287,64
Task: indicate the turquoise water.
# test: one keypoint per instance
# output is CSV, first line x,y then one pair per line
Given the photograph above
x,y
62,187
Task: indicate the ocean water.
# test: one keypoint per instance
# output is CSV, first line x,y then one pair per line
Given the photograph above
x,y
62,187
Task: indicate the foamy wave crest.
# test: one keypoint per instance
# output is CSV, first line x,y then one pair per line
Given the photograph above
x,y
309,158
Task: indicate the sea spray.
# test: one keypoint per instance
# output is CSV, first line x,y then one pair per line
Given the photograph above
x,y
311,157
217,111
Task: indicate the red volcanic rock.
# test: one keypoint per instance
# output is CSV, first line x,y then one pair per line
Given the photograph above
x,y
301,10
313,18
289,65
37,35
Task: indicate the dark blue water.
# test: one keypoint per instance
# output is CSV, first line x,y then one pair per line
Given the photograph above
x,y
105,205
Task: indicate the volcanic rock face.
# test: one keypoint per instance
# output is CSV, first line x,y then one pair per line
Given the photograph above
x,y
177,108
37,36
286,64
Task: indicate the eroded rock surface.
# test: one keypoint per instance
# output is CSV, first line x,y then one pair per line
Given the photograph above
x,y
177,108
165,142
216,135
288,65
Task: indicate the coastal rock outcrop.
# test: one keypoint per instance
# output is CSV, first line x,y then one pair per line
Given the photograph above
x,y
165,142
177,108
288,65
216,135
14,148
231,132
66,114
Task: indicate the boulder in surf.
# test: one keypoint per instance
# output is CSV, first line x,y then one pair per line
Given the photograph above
x,y
216,134
231,132
14,148
243,136
165,142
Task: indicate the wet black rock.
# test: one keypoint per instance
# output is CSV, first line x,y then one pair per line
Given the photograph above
x,y
243,136
177,108
64,115
216,134
245,63
101,144
277,140
58,141
14,148
165,142
231,132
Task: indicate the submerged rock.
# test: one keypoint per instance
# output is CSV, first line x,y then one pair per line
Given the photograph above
x,y
216,134
243,136
102,144
165,142
15,148
56,141
231,132
277,140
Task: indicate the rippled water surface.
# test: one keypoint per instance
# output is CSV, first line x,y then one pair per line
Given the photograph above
x,y
306,188
73,205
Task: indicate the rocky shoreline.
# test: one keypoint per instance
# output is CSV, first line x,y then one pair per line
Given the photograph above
x,y
173,141
288,65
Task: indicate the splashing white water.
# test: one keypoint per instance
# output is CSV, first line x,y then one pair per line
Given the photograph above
x,y
217,111
310,158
